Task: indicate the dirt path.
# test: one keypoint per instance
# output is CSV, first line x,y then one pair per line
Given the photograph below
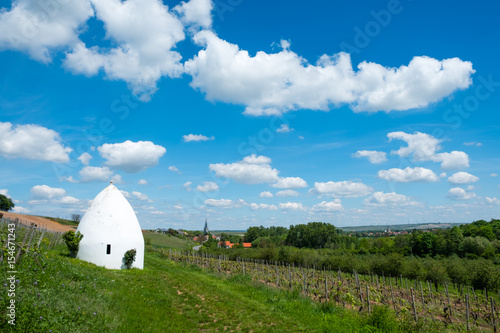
x,y
41,222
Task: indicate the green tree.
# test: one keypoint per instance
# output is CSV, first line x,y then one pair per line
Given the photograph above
x,y
454,240
284,254
211,242
422,243
436,272
253,233
6,204
484,275
475,245
312,235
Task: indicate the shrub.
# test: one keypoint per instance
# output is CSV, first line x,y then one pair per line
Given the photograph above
x,y
72,241
382,318
129,258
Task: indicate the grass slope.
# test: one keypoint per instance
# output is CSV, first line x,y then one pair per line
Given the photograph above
x,y
70,295
167,241
71,223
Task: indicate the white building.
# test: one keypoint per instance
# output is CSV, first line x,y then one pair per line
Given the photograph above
x,y
110,228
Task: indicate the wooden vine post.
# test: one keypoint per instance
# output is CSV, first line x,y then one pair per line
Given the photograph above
x,y
368,298
493,321
467,311
392,294
304,276
413,304
326,288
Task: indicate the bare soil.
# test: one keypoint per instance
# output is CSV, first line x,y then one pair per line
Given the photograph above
x,y
41,222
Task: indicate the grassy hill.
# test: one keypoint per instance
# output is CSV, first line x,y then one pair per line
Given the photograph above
x,y
62,294
157,240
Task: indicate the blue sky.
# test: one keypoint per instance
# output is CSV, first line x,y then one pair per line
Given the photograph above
x,y
253,113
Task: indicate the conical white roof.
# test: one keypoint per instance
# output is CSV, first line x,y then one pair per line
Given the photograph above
x,y
110,228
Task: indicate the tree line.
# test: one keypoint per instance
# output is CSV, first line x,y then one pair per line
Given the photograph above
x,y
468,254
475,240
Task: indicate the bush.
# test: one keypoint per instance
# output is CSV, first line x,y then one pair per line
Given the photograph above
x,y
382,318
72,241
129,258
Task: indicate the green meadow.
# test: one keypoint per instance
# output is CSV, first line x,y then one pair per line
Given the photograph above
x,y
158,241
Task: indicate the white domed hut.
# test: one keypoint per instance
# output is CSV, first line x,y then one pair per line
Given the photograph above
x,y
110,228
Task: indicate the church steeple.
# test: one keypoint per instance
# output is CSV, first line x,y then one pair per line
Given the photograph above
x,y
205,230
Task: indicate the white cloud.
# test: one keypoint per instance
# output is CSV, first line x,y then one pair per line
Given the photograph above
x,y
20,210
443,174
39,28
208,187
69,179
408,174
251,170
389,199
271,84
142,182
266,194
187,186
287,193
301,137
462,178
458,193
179,207
91,174
173,168
46,192
85,158
67,200
157,212
131,156
143,34
453,160
196,137
331,206
348,189
493,175
126,194
290,182
224,203
6,192
255,206
256,159
141,37
196,12
424,147
141,196
492,201
375,157
291,206
473,143
32,142
284,129
117,179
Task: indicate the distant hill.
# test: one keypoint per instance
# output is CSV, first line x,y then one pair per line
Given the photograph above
x,y
399,227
